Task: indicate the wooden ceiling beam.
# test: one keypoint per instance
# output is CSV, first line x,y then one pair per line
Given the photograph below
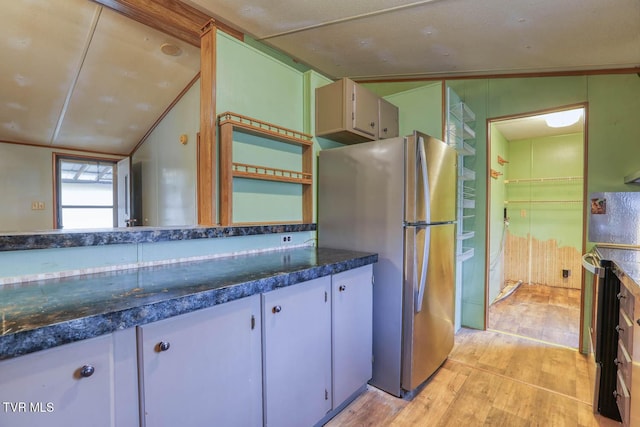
x,y
169,16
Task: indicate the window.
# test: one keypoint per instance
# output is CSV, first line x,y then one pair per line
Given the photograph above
x,y
85,196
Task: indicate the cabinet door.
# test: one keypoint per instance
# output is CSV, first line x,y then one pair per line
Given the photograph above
x,y
388,119
297,354
204,368
352,300
70,385
365,111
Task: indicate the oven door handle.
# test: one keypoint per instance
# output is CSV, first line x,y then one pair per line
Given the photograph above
x,y
591,264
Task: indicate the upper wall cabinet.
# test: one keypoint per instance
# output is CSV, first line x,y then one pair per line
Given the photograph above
x,y
387,119
349,113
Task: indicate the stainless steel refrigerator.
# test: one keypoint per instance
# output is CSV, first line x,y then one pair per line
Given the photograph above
x,y
397,197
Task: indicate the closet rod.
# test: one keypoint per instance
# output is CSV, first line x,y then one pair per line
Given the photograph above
x,y
507,202
559,178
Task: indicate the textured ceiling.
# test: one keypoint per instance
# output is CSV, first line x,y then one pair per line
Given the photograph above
x,y
371,39
534,127
76,75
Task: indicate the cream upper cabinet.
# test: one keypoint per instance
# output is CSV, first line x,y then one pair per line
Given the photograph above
x,y
388,123
350,113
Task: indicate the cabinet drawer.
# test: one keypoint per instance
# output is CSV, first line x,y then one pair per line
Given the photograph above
x,y
623,360
623,399
625,330
627,301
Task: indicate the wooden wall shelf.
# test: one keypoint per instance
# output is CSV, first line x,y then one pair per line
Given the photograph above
x,y
230,122
243,170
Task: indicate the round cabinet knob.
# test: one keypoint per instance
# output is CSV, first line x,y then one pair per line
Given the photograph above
x,y
86,371
616,394
163,346
373,124
619,329
385,130
620,296
276,309
342,288
616,361
638,321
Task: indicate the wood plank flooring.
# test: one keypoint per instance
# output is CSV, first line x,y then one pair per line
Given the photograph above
x,y
543,312
490,379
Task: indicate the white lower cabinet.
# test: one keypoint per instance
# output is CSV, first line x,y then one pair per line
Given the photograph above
x,y
203,368
87,383
297,353
352,331
283,358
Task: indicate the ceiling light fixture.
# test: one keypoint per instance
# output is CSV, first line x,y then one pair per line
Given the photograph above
x,y
563,118
170,49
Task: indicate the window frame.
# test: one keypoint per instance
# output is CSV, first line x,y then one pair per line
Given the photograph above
x,y
58,158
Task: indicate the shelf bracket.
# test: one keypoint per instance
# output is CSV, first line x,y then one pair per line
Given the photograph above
x,y
495,174
502,161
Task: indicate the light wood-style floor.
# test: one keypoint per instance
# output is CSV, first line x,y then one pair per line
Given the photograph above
x,y
542,312
491,378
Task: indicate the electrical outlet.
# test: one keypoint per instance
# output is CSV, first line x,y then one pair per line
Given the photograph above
x,y
566,273
286,238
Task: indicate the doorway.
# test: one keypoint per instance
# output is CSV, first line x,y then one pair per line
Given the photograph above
x,y
535,226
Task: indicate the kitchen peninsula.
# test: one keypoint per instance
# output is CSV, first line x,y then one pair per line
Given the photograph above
x,y
191,341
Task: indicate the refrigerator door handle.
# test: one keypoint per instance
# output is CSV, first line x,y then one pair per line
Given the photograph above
x,y
425,179
423,272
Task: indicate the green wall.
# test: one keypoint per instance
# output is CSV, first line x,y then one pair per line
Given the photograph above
x,y
499,147
419,109
546,158
613,103
253,83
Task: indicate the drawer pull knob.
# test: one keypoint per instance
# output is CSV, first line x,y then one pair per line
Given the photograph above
x,y
619,329
163,346
620,295
86,371
276,309
372,124
342,288
616,394
617,362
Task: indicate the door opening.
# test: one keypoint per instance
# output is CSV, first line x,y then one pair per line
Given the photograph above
x,y
535,232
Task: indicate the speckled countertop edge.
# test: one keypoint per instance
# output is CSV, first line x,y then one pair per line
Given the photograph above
x,y
68,239
76,329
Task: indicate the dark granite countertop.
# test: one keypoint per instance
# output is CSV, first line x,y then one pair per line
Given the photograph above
x,y
98,237
44,314
627,265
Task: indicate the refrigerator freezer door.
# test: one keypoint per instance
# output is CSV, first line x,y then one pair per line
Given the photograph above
x,y
437,202
428,334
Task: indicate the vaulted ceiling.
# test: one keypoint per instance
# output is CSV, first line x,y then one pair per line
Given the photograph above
x,y
372,39
78,75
